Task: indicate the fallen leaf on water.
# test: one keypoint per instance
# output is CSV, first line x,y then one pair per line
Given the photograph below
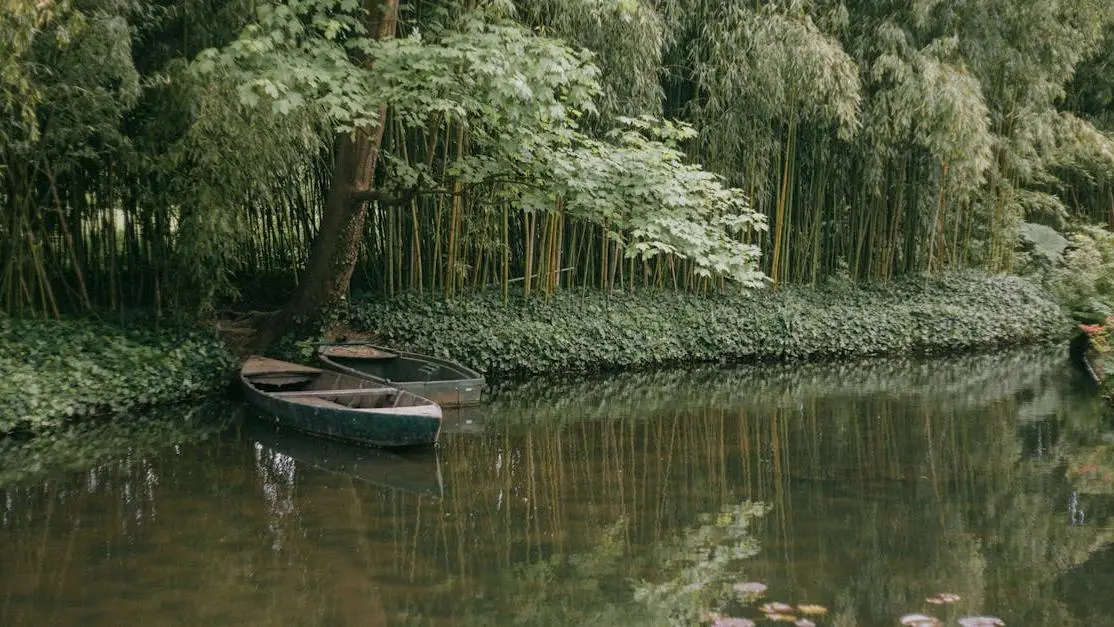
x,y
810,609
920,620
775,607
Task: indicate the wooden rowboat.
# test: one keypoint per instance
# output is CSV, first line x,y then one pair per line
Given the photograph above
x,y
339,406
443,381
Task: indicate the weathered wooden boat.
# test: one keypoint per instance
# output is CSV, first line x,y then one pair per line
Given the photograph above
x,y
339,406
443,381
416,470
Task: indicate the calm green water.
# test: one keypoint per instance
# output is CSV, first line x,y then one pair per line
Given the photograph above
x,y
622,500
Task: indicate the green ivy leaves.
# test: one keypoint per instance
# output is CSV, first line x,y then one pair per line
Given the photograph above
x,y
594,331
56,371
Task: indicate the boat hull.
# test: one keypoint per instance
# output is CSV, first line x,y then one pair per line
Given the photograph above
x,y
418,424
445,382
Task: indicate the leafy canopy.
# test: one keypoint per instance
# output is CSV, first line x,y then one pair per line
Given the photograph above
x,y
520,98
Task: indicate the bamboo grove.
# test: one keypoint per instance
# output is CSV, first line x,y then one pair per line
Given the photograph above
x,y
171,154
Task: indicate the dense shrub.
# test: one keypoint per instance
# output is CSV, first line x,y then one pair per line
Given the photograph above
x,y
1078,270
1099,353
590,331
54,371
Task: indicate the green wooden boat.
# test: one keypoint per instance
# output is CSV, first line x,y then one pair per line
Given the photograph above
x,y
416,470
339,406
445,382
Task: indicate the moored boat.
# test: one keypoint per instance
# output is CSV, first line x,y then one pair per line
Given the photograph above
x,y
339,406
445,382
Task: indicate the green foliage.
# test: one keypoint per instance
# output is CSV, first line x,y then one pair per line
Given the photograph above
x,y
520,97
591,331
1099,353
58,371
1081,276
166,153
627,39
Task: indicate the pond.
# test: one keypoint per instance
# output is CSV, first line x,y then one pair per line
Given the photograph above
x,y
631,499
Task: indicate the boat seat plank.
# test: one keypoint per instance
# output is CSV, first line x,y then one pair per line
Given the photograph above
x,y
266,365
357,351
318,401
282,380
349,392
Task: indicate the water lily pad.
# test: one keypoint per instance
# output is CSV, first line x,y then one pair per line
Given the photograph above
x,y
981,621
774,607
920,620
750,588
810,609
942,598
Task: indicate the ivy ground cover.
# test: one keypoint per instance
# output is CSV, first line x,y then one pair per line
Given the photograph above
x,y
573,331
57,371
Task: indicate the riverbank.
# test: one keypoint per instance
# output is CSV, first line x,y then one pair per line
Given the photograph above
x,y
1098,354
577,332
61,371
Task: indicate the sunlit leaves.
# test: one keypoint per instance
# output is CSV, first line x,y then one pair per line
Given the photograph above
x,y
520,96
642,188
484,70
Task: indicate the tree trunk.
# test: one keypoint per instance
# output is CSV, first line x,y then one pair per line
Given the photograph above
x,y
336,247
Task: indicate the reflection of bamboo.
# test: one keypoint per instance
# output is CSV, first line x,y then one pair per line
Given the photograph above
x,y
52,497
927,417
745,452
371,611
68,555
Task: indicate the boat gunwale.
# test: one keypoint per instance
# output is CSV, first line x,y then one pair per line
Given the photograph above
x,y
428,411
472,377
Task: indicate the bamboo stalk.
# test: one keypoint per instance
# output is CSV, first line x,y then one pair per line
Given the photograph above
x,y
531,219
506,255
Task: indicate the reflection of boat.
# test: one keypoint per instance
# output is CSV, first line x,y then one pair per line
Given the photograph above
x,y
341,406
445,382
463,420
414,470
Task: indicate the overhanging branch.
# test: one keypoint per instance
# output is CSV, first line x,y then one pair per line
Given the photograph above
x,y
384,199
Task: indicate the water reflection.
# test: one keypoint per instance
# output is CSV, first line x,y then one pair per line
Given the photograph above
x,y
634,499
416,470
